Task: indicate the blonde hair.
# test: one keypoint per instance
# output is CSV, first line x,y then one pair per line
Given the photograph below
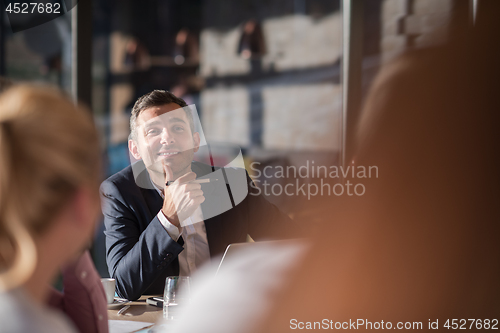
x,y
48,149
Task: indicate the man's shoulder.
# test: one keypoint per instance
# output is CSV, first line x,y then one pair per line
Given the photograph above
x,y
127,182
124,176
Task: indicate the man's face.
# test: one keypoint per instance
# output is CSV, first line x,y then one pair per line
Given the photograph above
x,y
164,137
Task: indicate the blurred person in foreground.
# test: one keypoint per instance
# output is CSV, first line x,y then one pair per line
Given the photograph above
x,y
49,204
422,244
161,231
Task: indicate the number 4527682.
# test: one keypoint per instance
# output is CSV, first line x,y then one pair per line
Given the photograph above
x,y
464,324
33,8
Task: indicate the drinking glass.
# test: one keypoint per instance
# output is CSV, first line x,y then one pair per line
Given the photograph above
x,y
177,290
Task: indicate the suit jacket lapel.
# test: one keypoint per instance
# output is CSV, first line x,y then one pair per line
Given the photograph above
x,y
213,227
151,196
153,200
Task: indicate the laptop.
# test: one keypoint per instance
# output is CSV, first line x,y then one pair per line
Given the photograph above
x,y
234,249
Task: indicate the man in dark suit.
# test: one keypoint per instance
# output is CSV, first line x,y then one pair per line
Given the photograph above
x,y
178,222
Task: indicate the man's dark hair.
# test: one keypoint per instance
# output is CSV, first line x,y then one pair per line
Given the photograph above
x,y
156,98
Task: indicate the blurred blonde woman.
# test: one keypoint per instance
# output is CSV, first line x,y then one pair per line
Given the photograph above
x,y
49,173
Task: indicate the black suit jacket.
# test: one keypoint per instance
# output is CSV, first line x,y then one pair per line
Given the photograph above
x,y
140,253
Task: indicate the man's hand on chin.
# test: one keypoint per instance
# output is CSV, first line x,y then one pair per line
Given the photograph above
x,y
182,197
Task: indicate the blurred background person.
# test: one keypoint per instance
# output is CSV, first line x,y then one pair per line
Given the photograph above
x,y
421,245
49,177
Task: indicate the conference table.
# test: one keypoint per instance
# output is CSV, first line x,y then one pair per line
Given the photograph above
x,y
138,311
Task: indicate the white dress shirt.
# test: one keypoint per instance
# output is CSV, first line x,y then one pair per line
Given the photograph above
x,y
196,251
